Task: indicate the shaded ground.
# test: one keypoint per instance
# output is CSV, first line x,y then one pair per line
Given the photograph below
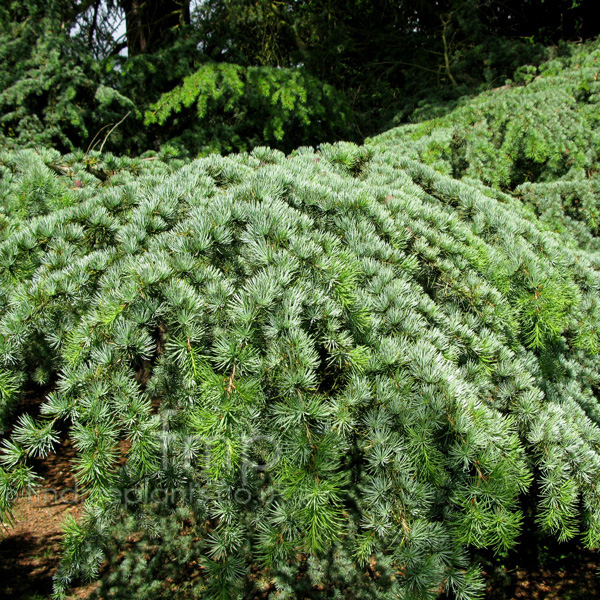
x,y
572,575
29,550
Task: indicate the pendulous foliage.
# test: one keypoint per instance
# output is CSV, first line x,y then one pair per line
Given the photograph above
x,y
334,373
232,102
337,373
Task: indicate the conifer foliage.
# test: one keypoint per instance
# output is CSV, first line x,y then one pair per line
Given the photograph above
x,y
332,374
232,101
538,137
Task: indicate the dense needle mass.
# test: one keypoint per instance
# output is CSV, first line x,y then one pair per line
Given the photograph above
x,y
336,372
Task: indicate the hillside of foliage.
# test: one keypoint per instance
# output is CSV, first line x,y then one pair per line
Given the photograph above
x,y
538,138
338,373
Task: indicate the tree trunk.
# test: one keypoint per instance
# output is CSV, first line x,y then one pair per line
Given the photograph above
x,y
151,23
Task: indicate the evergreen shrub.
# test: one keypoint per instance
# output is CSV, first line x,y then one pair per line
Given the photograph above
x,y
336,373
238,108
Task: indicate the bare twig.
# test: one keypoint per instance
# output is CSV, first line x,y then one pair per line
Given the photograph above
x,y
231,385
101,175
445,23
59,170
91,147
114,127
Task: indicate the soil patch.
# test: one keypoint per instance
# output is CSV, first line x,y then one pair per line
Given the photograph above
x,y
30,549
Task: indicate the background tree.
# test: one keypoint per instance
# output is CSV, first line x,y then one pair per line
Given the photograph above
x,y
152,23
385,59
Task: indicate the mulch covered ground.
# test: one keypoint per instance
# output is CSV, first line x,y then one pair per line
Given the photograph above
x,y
571,576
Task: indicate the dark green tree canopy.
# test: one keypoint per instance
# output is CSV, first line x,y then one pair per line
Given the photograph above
x,y
64,75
